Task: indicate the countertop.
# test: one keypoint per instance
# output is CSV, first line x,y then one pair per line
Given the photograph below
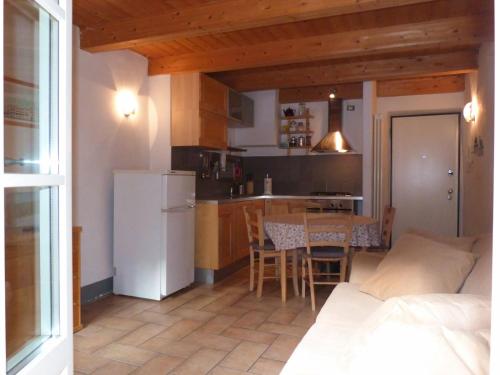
x,y
237,198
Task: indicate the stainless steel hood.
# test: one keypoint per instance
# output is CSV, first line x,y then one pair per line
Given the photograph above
x,y
334,140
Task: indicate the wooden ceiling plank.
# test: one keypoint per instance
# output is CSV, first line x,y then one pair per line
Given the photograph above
x,y
334,72
421,86
450,32
220,16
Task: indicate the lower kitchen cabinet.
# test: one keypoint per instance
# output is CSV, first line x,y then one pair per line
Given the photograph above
x,y
221,235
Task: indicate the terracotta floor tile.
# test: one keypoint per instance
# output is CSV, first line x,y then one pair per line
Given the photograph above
x,y
192,314
160,365
170,347
142,334
251,319
305,318
87,363
251,305
180,329
200,301
234,311
212,341
267,367
133,309
122,324
250,335
283,316
201,362
222,302
166,320
283,329
115,368
89,341
217,324
244,355
219,370
282,348
126,353
168,305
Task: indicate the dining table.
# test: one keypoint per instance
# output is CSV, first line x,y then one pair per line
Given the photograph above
x,y
286,231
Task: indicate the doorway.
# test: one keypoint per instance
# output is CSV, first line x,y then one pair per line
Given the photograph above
x,y
425,173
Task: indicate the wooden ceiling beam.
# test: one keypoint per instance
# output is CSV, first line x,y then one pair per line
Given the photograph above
x,y
335,72
320,93
219,16
421,86
450,32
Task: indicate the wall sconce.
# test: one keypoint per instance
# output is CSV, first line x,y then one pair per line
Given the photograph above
x,y
332,94
470,112
126,103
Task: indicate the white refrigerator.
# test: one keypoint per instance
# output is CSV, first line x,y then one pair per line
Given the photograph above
x,y
153,244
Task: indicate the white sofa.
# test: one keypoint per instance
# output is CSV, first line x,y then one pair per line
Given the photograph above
x,y
347,308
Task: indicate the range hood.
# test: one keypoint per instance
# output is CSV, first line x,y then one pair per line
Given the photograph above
x,y
334,140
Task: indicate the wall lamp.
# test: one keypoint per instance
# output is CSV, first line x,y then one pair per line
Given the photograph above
x,y
126,103
470,112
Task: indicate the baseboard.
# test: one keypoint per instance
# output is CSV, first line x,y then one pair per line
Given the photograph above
x,y
97,290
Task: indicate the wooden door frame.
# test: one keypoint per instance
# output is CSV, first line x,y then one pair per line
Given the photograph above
x,y
459,157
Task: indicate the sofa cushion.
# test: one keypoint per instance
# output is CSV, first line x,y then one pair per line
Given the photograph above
x,y
480,279
417,265
427,334
344,310
459,243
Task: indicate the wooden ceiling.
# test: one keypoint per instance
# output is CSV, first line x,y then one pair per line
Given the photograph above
x,y
266,44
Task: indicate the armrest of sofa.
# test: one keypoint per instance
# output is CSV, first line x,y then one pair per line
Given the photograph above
x,y
363,265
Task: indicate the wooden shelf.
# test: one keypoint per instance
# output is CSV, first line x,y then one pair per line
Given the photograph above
x,y
297,132
303,117
296,147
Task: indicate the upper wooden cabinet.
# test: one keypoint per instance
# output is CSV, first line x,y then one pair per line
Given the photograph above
x,y
199,111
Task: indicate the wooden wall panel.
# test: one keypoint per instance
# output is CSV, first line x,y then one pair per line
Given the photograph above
x,y
321,93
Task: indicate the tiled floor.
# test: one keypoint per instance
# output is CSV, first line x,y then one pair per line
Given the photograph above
x,y
220,330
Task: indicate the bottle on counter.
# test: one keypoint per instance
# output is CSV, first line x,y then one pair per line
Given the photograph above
x,y
250,190
268,185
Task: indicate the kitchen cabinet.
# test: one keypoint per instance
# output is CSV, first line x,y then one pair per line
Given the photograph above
x,y
198,111
221,234
241,110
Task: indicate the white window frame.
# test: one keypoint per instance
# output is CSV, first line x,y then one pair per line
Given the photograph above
x,y
55,356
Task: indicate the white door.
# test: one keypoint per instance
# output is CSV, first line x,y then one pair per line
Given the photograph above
x,y
425,173
35,187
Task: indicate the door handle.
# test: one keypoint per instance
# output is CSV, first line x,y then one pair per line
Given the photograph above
x,y
450,194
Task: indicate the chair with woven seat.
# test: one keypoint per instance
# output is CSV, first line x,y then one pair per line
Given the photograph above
x,y
262,249
385,234
327,239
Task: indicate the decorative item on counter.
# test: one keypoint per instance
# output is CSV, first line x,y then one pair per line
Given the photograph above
x,y
241,189
302,109
289,112
308,140
268,185
301,141
222,161
293,142
249,184
292,126
300,126
284,128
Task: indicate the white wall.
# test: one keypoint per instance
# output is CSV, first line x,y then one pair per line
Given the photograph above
x,y
104,140
478,168
262,139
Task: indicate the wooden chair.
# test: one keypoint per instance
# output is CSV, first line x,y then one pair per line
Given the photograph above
x,y
325,252
265,249
385,234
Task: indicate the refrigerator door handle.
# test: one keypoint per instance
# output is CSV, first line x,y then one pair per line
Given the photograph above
x,y
177,208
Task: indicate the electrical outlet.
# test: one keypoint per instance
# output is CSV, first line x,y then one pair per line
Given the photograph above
x,y
351,107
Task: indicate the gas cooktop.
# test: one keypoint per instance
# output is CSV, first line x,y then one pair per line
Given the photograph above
x,y
331,193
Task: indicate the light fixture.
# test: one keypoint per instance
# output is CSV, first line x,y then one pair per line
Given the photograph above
x,y
469,112
126,103
332,94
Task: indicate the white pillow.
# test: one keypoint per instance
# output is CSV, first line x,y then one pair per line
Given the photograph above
x,y
480,279
417,265
459,243
428,334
